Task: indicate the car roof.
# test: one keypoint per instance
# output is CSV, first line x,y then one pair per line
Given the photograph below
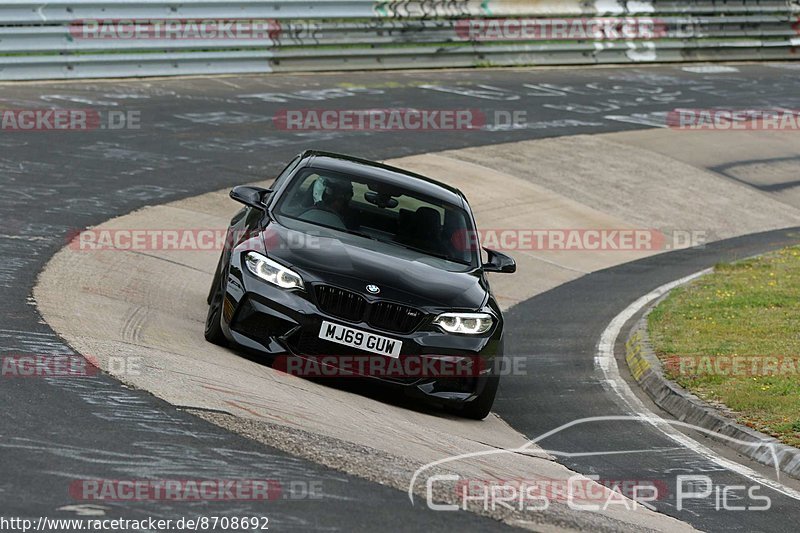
x,y
385,173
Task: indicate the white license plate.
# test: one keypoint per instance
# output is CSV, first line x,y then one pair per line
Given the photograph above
x,y
369,342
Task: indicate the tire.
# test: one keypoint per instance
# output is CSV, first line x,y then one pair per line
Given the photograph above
x,y
480,407
213,330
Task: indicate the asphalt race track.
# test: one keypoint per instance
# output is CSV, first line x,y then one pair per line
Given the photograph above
x,y
200,135
560,342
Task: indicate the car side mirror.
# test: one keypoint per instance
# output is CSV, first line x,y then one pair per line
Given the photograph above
x,y
500,263
251,196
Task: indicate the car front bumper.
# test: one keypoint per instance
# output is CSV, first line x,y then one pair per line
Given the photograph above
x,y
286,323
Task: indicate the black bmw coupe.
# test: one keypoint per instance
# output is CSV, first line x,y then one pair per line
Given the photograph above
x,y
366,270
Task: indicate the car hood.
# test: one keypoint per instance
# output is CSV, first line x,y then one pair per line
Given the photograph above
x,y
353,262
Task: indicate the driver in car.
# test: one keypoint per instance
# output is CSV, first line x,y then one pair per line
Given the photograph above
x,y
331,201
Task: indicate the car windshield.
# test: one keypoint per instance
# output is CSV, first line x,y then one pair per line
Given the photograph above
x,y
380,212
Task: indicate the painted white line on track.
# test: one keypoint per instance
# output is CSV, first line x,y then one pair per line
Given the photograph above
x,y
605,361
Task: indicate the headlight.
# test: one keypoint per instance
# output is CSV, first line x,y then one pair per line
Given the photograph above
x,y
272,272
466,323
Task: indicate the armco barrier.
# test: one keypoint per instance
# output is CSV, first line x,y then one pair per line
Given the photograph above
x,y
94,38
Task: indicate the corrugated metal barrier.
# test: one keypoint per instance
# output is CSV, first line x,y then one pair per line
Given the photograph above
x,y
110,38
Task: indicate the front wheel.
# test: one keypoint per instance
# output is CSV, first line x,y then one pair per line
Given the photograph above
x,y
480,407
213,331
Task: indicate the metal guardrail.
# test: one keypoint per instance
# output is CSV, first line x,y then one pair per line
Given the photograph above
x,y
66,11
63,38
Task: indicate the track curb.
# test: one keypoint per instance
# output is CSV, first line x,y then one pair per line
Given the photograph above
x,y
646,369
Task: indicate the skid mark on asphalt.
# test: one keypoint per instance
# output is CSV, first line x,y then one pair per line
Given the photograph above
x,y
132,328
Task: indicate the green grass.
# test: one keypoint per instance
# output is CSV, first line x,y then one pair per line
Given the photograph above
x,y
749,309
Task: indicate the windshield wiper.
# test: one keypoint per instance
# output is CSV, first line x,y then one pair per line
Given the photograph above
x,y
359,234
428,252
406,246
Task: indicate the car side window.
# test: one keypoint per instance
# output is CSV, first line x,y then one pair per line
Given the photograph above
x,y
301,196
